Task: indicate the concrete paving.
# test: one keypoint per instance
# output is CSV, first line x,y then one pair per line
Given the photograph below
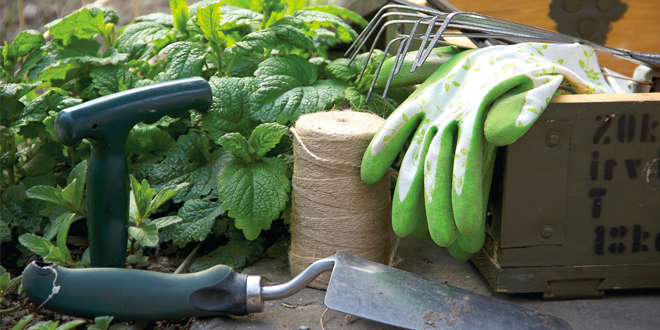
x,y
631,309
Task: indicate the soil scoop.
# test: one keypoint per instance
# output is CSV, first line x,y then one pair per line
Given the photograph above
x,y
357,286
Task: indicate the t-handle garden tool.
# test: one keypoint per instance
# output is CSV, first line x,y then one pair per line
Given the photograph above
x,y
357,286
106,122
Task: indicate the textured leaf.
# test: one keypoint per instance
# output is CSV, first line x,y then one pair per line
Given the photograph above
x,y
145,234
343,13
79,174
5,231
186,162
254,194
142,195
310,20
62,233
109,14
43,160
208,19
145,138
198,219
279,99
24,43
166,221
144,32
160,18
36,244
280,36
180,13
265,137
82,24
101,323
236,254
163,196
340,70
184,60
49,194
230,110
377,104
106,79
237,145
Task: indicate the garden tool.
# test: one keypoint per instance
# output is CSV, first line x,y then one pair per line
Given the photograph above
x,y
106,123
476,101
357,287
472,25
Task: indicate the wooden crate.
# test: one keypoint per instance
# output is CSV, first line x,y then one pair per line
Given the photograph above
x,y
575,203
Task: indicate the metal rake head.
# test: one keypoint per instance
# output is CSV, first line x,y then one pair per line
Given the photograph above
x,y
471,25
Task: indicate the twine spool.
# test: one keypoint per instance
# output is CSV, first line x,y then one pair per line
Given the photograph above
x,y
333,210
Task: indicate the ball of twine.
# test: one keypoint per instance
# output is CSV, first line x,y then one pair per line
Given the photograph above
x,y
333,210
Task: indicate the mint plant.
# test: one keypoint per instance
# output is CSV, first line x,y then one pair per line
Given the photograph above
x,y
221,172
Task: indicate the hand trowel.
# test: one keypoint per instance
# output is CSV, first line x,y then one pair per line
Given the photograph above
x,y
357,287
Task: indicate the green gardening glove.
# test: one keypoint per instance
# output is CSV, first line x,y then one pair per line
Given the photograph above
x,y
476,101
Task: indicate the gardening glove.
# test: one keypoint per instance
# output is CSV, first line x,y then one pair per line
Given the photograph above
x,y
476,101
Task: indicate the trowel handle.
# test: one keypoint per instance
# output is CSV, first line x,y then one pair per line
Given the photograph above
x,y
139,295
106,122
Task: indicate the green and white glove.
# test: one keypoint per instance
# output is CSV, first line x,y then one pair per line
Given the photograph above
x,y
476,101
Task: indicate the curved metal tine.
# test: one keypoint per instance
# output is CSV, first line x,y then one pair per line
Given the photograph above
x,y
373,45
400,56
366,33
399,63
380,66
425,39
420,60
364,40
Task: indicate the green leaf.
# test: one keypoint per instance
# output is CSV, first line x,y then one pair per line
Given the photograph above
x,y
55,224
280,36
198,219
166,221
236,254
265,137
188,161
208,19
160,18
279,99
146,234
144,32
22,323
237,145
254,194
36,244
343,13
377,104
106,79
582,65
339,69
180,13
101,323
310,20
37,109
83,24
79,175
49,194
5,231
230,110
145,138
24,43
142,195
109,14
184,60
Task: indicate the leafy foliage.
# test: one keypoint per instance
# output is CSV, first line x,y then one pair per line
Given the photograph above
x,y
220,171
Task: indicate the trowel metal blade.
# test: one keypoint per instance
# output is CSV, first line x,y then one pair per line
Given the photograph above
x,y
392,296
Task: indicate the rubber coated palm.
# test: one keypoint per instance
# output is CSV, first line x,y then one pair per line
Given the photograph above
x,y
478,100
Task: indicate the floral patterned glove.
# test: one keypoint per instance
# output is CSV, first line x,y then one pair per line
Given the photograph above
x,y
476,101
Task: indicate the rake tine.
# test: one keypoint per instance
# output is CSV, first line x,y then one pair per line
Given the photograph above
x,y
400,56
373,45
424,42
399,64
366,33
380,66
425,53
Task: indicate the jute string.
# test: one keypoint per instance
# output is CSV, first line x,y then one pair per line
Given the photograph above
x,y
333,210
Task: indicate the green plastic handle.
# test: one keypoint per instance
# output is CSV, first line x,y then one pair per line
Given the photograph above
x,y
106,122
135,295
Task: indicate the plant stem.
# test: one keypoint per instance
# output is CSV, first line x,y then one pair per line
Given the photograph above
x,y
217,51
72,156
230,64
265,20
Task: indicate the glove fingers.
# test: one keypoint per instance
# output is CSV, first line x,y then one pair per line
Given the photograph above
x,y
387,143
421,228
458,253
407,215
474,242
438,192
466,192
